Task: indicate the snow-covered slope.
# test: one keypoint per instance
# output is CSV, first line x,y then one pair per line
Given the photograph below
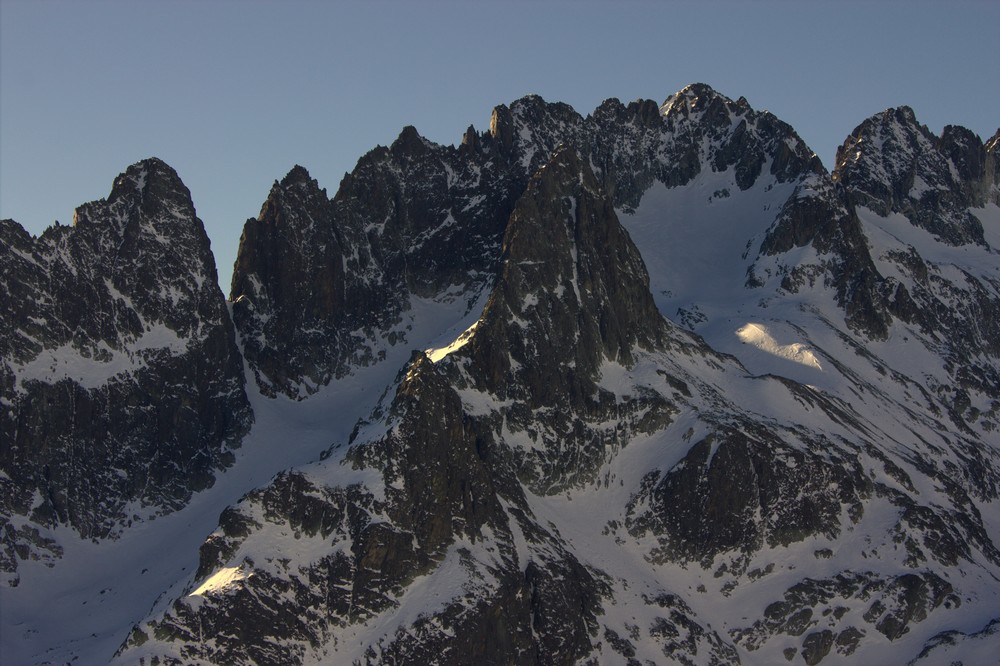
x,y
686,398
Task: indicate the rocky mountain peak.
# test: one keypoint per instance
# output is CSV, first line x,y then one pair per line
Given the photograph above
x,y
151,185
696,94
287,198
892,164
471,143
643,112
530,129
409,143
502,127
896,126
139,175
697,100
532,109
297,175
902,115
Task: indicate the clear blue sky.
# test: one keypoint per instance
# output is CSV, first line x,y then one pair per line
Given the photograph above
x,y
233,94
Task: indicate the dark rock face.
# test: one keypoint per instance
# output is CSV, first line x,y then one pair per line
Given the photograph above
x,y
820,220
743,139
281,317
413,219
121,381
742,490
444,515
564,244
449,483
892,604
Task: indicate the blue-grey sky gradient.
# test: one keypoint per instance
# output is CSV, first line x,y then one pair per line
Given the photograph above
x,y
233,94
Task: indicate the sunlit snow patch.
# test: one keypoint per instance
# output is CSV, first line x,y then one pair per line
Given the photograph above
x,y
220,580
438,354
761,338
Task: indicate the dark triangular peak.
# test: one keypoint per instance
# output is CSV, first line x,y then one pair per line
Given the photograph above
x,y
298,175
471,142
874,161
150,180
572,290
150,192
146,244
411,143
289,278
295,212
891,163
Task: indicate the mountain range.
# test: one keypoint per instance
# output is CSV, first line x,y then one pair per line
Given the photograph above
x,y
647,386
